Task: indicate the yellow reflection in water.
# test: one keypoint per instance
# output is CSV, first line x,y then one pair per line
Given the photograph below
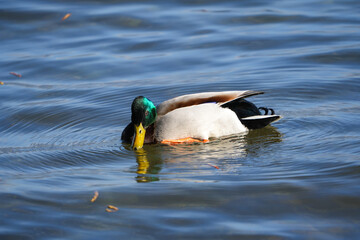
x,y
149,165
143,162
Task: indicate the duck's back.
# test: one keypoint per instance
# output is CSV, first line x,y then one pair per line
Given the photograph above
x,y
201,121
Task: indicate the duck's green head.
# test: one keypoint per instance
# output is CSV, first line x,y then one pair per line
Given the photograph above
x,y
143,114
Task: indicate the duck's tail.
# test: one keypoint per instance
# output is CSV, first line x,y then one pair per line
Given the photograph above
x,y
250,115
259,121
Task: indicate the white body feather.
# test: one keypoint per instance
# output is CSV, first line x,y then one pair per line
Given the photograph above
x,y
201,121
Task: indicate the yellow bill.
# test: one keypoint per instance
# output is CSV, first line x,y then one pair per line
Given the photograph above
x,y
139,137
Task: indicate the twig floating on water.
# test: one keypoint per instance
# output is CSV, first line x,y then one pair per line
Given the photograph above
x,y
214,166
66,16
96,194
16,74
111,208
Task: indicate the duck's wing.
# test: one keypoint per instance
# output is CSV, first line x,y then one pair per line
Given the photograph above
x,y
205,97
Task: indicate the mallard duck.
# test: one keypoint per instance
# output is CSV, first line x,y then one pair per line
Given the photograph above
x,y
197,116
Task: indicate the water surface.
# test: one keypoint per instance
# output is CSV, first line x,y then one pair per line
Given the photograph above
x,y
61,121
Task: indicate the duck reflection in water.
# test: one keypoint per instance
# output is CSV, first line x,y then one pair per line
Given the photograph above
x,y
227,152
149,165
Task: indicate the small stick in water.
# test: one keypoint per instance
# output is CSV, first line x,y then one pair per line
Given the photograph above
x,y
214,166
111,208
66,16
96,194
16,74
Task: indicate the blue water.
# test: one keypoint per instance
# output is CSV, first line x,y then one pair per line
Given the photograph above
x,y
62,120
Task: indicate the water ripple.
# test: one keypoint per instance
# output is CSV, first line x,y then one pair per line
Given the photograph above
x,y
61,121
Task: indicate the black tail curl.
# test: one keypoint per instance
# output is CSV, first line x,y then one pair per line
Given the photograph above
x,y
266,110
250,115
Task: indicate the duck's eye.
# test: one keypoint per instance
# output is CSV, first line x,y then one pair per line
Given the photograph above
x,y
146,113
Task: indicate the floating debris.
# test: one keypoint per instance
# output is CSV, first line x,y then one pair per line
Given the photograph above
x,y
66,16
111,208
96,194
16,74
214,166
1,83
